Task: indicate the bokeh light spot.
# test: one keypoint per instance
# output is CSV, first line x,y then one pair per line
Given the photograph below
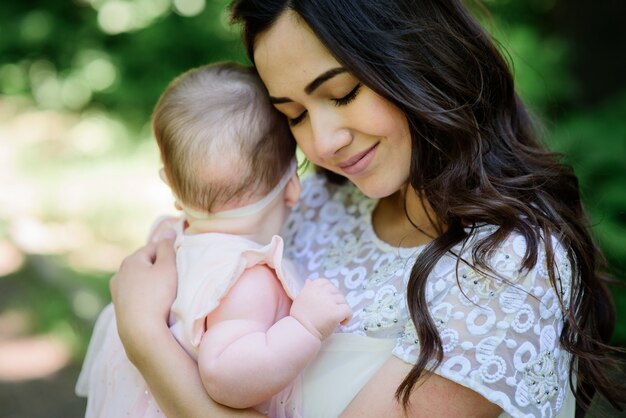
x,y
148,10
45,85
75,94
115,17
92,136
189,7
36,26
13,79
15,323
32,358
48,93
86,304
36,237
40,70
100,73
11,258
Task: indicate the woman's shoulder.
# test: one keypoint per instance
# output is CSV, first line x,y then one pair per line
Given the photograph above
x,y
500,319
508,262
500,290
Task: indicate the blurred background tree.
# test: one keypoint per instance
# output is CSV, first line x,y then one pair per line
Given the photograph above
x,y
78,183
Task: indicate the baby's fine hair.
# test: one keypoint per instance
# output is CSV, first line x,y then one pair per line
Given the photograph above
x,y
221,140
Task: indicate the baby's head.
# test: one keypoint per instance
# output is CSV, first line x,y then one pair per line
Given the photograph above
x,y
223,145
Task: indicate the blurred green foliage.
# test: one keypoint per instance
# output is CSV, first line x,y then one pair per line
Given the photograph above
x,y
60,54
116,56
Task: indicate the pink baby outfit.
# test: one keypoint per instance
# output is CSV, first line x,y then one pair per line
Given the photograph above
x,y
208,266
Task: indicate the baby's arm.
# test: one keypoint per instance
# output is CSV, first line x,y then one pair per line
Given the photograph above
x,y
246,355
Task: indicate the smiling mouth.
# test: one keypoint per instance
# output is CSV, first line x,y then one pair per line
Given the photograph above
x,y
355,159
359,163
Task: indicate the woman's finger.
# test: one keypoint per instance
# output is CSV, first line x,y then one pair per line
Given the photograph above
x,y
143,255
165,257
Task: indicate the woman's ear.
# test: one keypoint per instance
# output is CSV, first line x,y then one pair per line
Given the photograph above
x,y
292,191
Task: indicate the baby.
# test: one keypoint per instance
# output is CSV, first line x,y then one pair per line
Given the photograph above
x,y
240,311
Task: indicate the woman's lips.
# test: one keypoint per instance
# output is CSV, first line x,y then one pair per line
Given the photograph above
x,y
359,162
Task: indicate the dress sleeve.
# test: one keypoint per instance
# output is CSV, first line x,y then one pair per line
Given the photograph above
x,y
500,332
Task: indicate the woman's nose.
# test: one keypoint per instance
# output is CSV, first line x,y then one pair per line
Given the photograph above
x,y
329,135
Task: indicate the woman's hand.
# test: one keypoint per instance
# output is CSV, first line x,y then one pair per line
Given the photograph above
x,y
143,291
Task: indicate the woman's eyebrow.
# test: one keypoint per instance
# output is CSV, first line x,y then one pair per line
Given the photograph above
x,y
322,78
313,85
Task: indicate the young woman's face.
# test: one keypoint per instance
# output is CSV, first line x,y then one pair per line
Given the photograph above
x,y
340,124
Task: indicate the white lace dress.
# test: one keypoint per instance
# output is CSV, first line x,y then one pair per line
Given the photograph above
x,y
499,339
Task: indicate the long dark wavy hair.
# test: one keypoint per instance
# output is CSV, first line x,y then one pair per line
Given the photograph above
x,y
476,157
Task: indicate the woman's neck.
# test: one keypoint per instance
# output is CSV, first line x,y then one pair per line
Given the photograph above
x,y
391,224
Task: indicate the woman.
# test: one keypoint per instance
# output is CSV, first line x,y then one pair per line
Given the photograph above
x,y
412,103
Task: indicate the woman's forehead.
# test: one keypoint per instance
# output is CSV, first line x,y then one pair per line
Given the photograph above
x,y
289,55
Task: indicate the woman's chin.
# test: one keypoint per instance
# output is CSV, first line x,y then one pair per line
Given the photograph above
x,y
376,190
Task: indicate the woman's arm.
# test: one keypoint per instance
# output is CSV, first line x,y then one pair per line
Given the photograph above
x,y
433,396
143,291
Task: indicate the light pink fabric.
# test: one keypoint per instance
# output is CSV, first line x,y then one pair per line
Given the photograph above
x,y
208,266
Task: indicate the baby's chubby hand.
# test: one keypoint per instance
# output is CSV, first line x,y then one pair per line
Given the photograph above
x,y
320,307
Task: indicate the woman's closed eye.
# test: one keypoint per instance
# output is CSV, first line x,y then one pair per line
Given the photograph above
x,y
297,119
342,101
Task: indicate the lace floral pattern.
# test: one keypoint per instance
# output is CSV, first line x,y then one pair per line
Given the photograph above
x,y
541,381
499,327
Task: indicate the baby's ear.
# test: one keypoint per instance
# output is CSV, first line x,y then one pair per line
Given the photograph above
x,y
163,176
292,191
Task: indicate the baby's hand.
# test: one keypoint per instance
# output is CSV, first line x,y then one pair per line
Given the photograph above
x,y
320,307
